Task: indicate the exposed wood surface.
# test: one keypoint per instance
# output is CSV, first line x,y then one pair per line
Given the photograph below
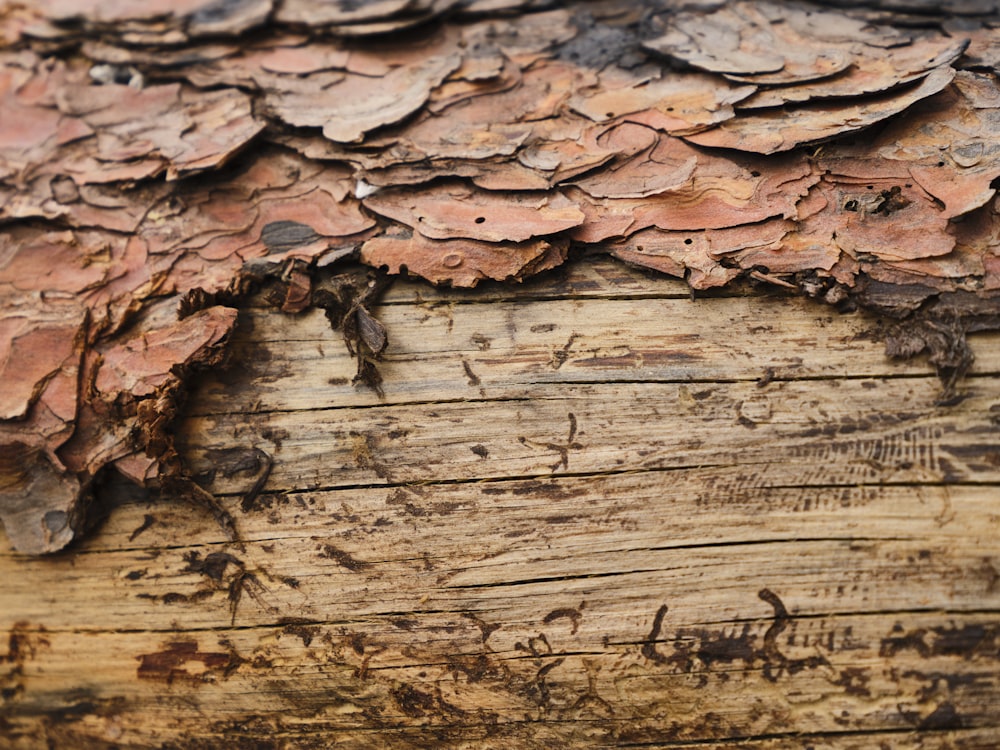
x,y
589,511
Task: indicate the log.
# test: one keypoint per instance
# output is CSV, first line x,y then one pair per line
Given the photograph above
x,y
588,511
256,493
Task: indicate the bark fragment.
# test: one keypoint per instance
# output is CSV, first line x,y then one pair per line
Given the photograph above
x,y
773,130
462,263
767,43
674,102
60,123
452,210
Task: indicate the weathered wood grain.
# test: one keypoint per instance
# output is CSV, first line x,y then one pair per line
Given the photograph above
x,y
492,351
726,522
459,545
829,432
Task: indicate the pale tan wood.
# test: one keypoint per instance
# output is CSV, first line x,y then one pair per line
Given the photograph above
x,y
795,432
474,352
330,675
483,545
700,553
458,346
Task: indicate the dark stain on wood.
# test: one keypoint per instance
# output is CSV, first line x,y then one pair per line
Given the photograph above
x,y
23,644
473,379
775,662
569,613
147,521
173,661
344,559
486,629
966,642
300,628
412,702
213,565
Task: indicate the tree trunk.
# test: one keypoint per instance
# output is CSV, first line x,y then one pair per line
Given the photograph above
x,y
261,486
